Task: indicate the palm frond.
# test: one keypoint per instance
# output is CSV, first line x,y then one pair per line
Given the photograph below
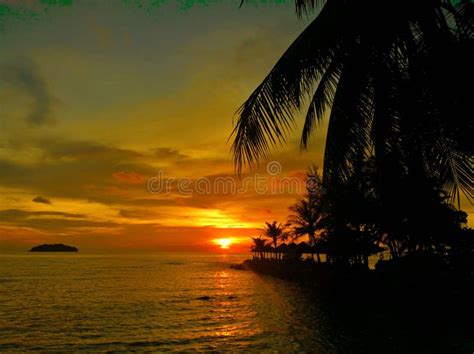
x,y
307,7
265,119
349,128
455,168
322,100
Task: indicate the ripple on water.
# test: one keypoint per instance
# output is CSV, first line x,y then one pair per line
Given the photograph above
x,y
153,302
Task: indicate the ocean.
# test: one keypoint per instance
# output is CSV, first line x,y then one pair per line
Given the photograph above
x,y
71,302
160,302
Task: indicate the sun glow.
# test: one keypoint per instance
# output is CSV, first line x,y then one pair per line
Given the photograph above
x,y
224,243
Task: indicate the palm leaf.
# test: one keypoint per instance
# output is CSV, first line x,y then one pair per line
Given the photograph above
x,y
267,116
322,100
349,127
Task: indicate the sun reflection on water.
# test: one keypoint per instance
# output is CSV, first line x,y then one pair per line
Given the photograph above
x,y
160,303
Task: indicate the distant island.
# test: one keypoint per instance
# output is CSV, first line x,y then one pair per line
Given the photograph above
x,y
54,248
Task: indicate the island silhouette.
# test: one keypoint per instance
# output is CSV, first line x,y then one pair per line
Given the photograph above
x,y
59,247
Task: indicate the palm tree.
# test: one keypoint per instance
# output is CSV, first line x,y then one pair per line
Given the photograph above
x,y
275,232
372,65
307,216
351,208
258,246
305,220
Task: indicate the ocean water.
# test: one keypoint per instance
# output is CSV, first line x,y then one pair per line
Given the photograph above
x,y
195,302
159,302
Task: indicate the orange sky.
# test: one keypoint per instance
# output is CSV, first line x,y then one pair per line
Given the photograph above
x,y
96,99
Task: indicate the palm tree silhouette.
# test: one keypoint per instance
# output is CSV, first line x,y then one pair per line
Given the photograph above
x,y
258,246
372,65
275,232
307,216
306,220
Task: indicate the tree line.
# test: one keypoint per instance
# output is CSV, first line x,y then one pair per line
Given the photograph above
x,y
348,225
392,79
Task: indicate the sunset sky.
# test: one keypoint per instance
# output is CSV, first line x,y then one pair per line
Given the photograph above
x,y
96,98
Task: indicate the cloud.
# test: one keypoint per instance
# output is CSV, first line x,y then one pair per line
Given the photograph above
x,y
40,199
51,220
129,177
16,214
139,214
22,76
61,224
86,150
166,153
77,169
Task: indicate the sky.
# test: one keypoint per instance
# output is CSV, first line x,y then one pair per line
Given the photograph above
x,y
97,99
102,103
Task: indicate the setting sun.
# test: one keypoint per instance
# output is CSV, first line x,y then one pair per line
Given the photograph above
x,y
224,243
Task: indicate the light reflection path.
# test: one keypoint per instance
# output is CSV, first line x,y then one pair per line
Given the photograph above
x,y
152,302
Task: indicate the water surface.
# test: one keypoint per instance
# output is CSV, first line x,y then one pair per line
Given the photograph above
x,y
153,302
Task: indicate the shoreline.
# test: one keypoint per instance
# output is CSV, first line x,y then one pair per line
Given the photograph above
x,y
421,303
390,278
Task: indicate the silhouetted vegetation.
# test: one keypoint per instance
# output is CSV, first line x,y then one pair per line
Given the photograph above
x,y
59,247
275,232
392,79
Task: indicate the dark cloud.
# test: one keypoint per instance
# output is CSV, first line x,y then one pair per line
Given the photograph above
x,y
23,75
152,202
50,220
60,224
168,154
86,150
17,214
139,214
11,172
40,199
78,169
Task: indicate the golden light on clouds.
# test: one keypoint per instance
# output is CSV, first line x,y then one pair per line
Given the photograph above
x,y
80,139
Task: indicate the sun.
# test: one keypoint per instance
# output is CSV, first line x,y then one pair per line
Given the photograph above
x,y
224,243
